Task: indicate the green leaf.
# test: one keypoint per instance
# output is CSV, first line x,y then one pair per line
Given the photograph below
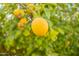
x,y
53,34
26,33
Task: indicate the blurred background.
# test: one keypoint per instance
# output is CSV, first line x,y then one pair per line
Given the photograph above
x,y
62,38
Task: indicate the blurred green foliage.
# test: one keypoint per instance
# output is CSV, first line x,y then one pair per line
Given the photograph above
x,y
61,39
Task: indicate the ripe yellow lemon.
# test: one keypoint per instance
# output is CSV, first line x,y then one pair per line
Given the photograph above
x,y
21,23
23,20
18,13
39,26
20,26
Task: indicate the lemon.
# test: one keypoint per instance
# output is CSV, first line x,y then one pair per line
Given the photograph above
x,y
21,23
23,20
39,26
18,13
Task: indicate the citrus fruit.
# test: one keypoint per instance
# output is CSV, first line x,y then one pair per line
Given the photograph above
x,y
21,23
20,26
23,20
18,13
39,26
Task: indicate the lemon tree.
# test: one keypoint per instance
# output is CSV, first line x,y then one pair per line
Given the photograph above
x,y
39,29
